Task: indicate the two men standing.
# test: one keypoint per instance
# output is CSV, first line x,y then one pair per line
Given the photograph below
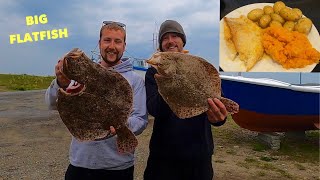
x,y
180,149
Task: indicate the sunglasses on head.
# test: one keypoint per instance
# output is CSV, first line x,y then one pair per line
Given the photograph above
x,y
118,23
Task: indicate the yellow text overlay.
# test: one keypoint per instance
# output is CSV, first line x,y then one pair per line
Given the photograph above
x,y
39,36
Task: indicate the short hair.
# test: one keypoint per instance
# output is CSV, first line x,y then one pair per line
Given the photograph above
x,y
113,26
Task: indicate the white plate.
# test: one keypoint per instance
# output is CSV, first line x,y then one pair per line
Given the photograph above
x,y
266,64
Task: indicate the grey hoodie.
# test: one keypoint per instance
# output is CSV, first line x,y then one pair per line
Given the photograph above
x,y
103,154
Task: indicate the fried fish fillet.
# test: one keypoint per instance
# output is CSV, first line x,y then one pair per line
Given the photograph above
x,y
232,52
247,39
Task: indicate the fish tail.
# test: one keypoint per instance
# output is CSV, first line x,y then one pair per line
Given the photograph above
x,y
126,141
231,106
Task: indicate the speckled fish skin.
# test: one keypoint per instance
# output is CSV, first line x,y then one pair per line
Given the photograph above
x,y
106,100
186,82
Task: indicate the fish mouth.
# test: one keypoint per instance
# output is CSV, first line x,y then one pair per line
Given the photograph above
x,y
151,62
154,60
74,89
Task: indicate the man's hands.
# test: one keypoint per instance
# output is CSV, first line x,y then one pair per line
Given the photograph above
x,y
217,111
112,130
62,80
109,135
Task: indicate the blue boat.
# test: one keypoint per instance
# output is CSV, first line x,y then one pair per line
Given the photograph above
x,y
268,105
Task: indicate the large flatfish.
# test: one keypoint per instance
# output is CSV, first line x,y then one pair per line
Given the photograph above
x,y
103,98
186,82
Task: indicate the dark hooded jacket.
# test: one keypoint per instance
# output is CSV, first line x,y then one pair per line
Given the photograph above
x,y
174,137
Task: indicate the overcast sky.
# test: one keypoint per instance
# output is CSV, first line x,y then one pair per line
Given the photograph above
x,y
83,20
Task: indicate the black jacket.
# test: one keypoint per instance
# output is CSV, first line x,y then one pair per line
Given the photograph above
x,y
174,137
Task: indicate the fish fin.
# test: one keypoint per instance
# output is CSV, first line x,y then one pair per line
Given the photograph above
x,y
231,106
188,112
126,140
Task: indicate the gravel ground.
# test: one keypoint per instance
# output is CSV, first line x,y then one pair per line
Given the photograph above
x,y
34,144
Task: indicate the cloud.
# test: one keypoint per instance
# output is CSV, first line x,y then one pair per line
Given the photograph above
x,y
84,19
142,16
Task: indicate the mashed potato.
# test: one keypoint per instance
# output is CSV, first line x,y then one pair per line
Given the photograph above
x,y
291,49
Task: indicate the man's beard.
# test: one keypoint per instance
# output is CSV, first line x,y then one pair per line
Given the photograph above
x,y
105,58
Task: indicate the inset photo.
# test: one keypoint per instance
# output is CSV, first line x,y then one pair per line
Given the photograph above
x,y
269,37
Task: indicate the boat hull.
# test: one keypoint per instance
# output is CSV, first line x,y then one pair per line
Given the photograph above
x,y
259,122
275,107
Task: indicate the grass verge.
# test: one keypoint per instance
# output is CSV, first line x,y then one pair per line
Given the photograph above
x,y
23,82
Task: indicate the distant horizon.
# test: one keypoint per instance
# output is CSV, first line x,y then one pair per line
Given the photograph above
x,y
292,78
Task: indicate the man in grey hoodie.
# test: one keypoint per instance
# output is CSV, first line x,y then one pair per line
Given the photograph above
x,y
100,159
